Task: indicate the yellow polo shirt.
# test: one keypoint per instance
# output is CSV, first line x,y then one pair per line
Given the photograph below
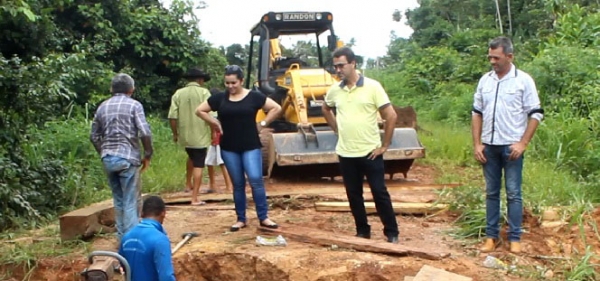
x,y
356,116
193,131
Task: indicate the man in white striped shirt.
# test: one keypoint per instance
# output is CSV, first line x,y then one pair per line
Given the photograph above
x,y
506,113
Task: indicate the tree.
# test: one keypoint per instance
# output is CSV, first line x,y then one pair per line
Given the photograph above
x,y
55,54
236,54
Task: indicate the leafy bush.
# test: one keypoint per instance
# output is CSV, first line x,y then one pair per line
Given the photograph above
x,y
34,92
567,79
568,142
25,187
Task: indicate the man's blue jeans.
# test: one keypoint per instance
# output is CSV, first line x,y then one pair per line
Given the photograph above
x,y
123,178
497,162
249,163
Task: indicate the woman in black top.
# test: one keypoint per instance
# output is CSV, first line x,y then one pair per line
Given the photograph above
x,y
240,144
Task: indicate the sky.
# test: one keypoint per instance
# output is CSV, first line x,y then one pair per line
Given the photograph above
x,y
226,22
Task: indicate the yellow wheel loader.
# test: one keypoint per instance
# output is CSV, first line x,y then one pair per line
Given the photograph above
x,y
300,143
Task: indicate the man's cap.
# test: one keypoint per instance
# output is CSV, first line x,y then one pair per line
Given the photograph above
x,y
196,72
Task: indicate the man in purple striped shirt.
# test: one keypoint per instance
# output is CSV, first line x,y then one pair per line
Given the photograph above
x,y
118,126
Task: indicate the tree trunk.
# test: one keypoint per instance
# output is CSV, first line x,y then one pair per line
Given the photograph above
x,y
509,19
499,16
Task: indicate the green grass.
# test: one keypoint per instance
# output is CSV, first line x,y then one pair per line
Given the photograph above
x,y
167,168
87,181
546,182
582,268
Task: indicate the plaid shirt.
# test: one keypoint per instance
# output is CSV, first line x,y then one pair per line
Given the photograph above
x,y
117,126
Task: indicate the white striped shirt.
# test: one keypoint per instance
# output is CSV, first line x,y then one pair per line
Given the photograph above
x,y
506,105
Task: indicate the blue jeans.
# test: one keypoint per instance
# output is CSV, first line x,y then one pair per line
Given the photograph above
x,y
497,161
248,163
123,178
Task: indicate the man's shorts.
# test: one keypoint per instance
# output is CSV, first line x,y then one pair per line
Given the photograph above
x,y
213,156
197,155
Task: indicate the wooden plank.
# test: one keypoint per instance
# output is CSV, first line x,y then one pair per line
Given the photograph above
x,y
399,208
325,238
183,197
430,273
186,198
410,196
207,207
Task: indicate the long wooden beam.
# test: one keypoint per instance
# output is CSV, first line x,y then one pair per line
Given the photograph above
x,y
325,238
399,207
181,197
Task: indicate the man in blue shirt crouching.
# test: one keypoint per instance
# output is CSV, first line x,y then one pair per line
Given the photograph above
x,y
146,247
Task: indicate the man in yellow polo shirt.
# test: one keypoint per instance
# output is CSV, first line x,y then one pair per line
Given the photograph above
x,y
357,100
190,131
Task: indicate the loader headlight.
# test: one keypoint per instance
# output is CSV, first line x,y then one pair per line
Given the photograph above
x,y
278,16
318,16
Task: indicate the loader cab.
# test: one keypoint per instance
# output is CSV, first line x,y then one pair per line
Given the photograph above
x,y
272,59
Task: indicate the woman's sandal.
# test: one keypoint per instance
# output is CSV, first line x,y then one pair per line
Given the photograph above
x,y
237,227
272,225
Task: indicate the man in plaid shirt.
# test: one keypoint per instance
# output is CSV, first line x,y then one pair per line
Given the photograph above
x,y
118,126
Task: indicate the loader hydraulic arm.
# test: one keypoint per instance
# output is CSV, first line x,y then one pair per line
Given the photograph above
x,y
275,52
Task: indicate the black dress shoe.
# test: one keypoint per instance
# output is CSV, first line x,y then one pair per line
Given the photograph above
x,y
364,235
392,239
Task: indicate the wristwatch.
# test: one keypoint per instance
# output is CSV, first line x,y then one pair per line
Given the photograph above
x,y
263,123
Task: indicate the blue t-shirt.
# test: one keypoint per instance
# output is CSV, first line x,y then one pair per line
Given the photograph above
x,y
147,249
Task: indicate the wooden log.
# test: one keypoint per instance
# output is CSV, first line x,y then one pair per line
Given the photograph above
x,y
325,238
84,223
399,208
182,198
430,273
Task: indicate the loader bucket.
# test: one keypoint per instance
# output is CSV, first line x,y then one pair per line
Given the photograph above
x,y
292,155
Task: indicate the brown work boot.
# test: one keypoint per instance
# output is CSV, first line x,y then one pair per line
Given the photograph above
x,y
515,247
489,245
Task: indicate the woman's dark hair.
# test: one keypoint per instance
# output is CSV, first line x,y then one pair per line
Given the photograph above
x,y
234,69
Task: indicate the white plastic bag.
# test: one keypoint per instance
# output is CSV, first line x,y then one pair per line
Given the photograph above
x,y
493,262
278,241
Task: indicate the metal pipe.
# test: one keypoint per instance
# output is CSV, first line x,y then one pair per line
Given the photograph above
x,y
114,255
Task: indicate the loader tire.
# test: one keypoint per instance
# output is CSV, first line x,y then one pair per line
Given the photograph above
x,y
265,135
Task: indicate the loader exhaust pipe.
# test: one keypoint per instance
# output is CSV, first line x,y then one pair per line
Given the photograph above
x,y
264,57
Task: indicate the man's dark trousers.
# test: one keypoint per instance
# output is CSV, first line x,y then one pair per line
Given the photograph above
x,y
353,171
